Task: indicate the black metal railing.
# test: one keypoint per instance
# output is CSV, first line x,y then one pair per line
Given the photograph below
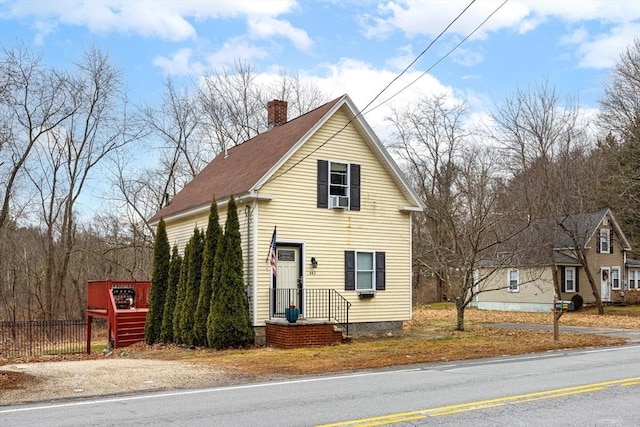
x,y
325,304
42,337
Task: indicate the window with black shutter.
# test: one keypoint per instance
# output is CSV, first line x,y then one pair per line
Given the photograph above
x,y
364,271
338,185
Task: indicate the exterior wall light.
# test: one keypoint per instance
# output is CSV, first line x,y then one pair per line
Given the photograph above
x,y
314,262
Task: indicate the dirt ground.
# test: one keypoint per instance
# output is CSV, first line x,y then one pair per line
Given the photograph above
x,y
25,382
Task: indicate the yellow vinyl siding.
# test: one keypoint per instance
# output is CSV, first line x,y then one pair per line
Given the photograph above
x,y
327,233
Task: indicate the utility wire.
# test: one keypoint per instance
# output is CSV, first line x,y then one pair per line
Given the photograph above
x,y
361,112
438,61
419,56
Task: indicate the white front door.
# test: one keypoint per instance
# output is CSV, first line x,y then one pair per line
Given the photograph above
x,y
288,282
605,284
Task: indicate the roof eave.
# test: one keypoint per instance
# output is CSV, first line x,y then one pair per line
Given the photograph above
x,y
249,196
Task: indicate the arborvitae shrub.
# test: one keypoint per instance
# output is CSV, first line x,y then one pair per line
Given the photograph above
x,y
159,283
166,331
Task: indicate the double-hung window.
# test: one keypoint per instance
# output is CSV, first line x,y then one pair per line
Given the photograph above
x,y
570,279
615,277
605,241
339,179
634,279
513,279
338,185
364,271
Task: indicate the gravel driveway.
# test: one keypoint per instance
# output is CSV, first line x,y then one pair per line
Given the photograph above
x,y
56,380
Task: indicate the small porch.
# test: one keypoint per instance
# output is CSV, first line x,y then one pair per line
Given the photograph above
x,y
124,304
306,317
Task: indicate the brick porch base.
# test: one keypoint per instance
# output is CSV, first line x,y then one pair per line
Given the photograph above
x,y
303,333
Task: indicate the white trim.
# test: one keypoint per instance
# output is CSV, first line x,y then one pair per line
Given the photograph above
x,y
410,209
221,204
254,301
573,270
613,285
636,278
604,232
515,289
373,269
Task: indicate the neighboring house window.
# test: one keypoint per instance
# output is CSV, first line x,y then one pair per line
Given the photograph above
x,y
605,241
514,281
615,277
570,279
364,271
338,185
634,279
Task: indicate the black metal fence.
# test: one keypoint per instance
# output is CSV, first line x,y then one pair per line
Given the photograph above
x,y
42,337
327,304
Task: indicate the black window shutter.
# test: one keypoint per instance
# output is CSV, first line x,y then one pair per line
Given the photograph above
x,y
380,272
349,271
323,184
577,281
563,286
610,241
354,188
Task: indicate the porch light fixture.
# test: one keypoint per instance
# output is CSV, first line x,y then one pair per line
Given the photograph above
x,y
314,262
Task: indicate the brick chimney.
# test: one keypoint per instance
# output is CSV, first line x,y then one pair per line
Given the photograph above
x,y
276,113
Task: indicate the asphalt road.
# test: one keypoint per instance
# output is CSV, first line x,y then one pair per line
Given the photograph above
x,y
560,388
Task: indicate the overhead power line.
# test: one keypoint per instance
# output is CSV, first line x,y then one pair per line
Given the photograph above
x,y
437,62
362,112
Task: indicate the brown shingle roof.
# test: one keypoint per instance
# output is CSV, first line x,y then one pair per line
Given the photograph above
x,y
244,165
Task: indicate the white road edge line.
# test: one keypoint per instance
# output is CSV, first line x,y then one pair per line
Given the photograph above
x,y
271,384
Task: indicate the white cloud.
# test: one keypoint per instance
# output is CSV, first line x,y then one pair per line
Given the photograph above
x,y
179,64
414,17
362,82
233,50
166,20
597,49
603,50
268,27
467,57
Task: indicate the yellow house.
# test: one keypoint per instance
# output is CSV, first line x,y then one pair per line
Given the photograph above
x,y
337,206
527,284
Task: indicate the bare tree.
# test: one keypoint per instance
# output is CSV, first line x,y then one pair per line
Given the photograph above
x,y
95,128
33,101
458,182
231,101
620,104
545,144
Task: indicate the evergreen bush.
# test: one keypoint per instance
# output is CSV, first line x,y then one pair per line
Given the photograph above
x,y
166,331
159,282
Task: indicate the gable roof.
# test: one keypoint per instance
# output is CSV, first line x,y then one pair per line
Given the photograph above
x,y
585,225
529,247
243,169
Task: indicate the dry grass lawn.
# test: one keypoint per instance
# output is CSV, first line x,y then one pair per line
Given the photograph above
x,y
429,337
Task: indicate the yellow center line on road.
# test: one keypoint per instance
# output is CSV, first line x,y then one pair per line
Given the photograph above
x,y
483,404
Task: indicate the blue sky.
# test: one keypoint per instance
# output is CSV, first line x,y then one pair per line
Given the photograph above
x,y
344,46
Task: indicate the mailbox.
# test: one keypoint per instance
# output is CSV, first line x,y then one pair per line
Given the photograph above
x,y
564,305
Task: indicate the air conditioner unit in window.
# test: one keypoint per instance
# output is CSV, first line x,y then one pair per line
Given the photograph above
x,y
338,202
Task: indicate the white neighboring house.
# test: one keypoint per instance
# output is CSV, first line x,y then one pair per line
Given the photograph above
x,y
527,284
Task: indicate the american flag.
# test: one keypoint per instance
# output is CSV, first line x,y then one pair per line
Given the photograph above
x,y
271,258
